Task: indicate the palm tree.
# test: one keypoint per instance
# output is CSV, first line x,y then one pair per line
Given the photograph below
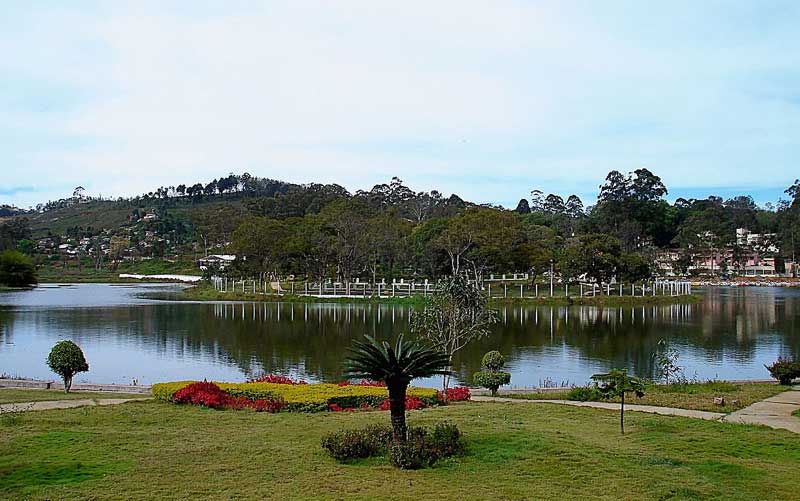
x,y
396,366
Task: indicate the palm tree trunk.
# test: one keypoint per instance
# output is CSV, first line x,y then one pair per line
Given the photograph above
x,y
397,410
622,415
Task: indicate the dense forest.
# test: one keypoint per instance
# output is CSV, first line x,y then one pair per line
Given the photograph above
x,y
324,231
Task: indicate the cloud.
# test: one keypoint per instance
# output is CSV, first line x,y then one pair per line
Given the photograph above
x,y
484,99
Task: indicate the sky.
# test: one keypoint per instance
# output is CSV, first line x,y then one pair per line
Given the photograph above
x,y
486,99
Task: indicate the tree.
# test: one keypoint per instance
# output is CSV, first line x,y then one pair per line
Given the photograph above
x,y
455,315
16,269
66,359
492,376
595,255
396,366
616,383
523,207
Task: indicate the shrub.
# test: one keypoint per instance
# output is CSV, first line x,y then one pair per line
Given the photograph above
x,y
66,359
493,361
211,395
457,394
16,269
784,370
585,394
275,379
491,377
304,397
445,440
205,394
348,445
411,454
491,380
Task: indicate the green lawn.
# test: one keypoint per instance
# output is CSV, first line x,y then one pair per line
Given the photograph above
x,y
148,450
10,395
696,396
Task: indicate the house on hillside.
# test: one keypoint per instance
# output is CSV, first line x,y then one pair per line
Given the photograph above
x,y
217,261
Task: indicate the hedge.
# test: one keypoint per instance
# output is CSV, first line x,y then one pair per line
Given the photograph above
x,y
304,397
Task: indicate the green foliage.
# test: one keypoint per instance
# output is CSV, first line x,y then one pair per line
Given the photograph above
x,y
784,370
396,366
16,269
493,361
617,383
491,377
492,380
666,361
585,394
348,445
66,359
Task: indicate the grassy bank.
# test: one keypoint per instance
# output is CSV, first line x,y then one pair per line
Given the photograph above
x,y
695,396
154,450
13,395
50,273
205,292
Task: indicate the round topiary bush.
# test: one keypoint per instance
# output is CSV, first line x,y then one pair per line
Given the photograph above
x,y
491,380
493,361
66,359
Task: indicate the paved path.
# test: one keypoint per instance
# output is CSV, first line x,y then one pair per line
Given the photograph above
x,y
775,412
64,404
652,409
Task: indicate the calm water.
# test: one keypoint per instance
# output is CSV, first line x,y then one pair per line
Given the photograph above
x,y
731,334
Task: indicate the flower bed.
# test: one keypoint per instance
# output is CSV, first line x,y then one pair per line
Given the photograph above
x,y
304,397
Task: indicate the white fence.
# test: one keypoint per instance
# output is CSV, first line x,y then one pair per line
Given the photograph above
x,y
358,289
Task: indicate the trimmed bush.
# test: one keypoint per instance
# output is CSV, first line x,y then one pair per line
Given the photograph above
x,y
66,359
491,377
491,380
348,445
585,394
493,361
210,395
306,397
784,370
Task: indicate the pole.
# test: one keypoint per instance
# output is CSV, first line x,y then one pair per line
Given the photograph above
x,y
551,278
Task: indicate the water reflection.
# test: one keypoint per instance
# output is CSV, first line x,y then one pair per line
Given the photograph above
x,y
730,334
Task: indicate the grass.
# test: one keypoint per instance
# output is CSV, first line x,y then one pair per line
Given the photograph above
x,y
152,450
50,273
12,395
205,292
695,396
796,413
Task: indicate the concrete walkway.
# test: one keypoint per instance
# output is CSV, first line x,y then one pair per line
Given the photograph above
x,y
775,412
652,409
63,404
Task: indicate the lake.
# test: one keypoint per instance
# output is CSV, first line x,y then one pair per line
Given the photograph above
x,y
730,334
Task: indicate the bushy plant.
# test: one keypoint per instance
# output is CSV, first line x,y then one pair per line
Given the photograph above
x,y
16,269
204,393
66,359
445,440
493,361
491,377
412,454
585,394
457,394
491,380
347,445
274,378
784,370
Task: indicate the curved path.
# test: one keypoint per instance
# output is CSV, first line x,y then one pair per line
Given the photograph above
x,y
64,404
652,409
774,412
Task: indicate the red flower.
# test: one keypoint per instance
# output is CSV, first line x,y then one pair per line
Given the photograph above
x,y
276,379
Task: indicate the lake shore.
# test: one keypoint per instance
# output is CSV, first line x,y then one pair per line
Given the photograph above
x,y
204,292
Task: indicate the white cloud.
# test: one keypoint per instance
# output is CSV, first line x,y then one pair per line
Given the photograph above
x,y
484,99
